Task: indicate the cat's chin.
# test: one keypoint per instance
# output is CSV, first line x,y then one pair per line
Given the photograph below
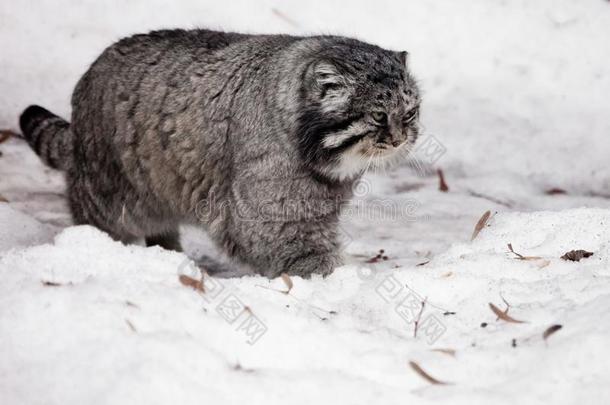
x,y
351,165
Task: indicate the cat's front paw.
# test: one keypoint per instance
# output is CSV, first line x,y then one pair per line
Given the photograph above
x,y
323,264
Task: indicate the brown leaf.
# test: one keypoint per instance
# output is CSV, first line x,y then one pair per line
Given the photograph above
x,y
481,224
416,367
576,255
442,185
191,282
5,134
555,191
520,256
550,330
450,352
287,281
503,315
2,199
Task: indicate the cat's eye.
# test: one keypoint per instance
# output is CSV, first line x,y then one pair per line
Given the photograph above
x,y
410,116
379,117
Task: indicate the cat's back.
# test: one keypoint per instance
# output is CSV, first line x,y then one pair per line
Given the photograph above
x,y
199,40
141,53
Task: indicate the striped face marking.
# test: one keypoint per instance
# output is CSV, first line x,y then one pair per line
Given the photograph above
x,y
359,110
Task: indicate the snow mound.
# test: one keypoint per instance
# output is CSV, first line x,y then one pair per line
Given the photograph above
x,y
546,233
90,319
20,229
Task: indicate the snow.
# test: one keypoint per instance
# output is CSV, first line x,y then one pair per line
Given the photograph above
x,y
515,92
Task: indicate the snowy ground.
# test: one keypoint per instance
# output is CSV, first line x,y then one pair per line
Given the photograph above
x,y
515,91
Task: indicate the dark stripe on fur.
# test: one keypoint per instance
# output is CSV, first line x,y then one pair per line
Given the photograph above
x,y
350,142
48,135
314,126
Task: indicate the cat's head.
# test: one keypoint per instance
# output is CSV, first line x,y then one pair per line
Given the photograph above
x,y
359,108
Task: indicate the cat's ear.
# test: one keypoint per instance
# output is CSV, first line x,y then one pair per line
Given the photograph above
x,y
403,57
327,73
329,79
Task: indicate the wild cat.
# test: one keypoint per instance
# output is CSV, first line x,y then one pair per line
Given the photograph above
x,y
257,138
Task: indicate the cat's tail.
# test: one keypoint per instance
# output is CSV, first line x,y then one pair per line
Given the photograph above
x,y
49,136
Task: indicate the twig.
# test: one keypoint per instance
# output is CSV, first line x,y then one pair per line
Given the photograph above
x,y
421,311
503,315
488,198
520,256
428,302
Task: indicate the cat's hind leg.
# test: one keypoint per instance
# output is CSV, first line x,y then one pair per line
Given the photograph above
x,y
169,240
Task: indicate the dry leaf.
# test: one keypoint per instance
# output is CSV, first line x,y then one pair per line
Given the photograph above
x,y
555,191
284,17
404,187
5,134
520,256
481,224
442,185
550,330
288,282
448,274
423,263
51,284
450,352
503,315
238,367
191,282
373,259
576,255
2,199
133,328
425,375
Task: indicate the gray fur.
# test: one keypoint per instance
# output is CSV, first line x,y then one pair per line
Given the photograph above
x,y
226,130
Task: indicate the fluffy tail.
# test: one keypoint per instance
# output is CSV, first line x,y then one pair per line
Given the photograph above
x,y
49,136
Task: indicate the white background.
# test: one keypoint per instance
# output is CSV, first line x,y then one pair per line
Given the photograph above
x,y
516,91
